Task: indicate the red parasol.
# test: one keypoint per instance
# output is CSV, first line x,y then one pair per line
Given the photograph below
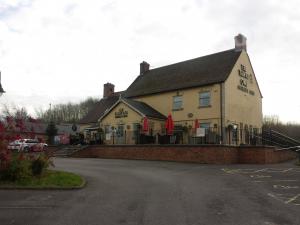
x,y
145,124
169,125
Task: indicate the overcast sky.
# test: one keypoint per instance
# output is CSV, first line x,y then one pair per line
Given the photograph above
x,y
60,51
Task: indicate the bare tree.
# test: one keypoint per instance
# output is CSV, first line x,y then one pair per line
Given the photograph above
x,y
290,129
66,113
15,112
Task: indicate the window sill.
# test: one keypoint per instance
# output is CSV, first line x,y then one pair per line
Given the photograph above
x,y
177,109
207,106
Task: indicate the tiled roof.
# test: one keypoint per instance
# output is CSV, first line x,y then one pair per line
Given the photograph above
x,y
99,109
40,128
196,72
145,109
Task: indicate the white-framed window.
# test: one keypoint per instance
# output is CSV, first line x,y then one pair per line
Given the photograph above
x,y
120,130
136,130
205,125
177,102
204,99
107,129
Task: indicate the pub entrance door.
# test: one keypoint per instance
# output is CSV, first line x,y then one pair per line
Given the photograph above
x,y
120,135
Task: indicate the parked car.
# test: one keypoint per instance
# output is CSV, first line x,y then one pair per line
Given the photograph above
x,y
15,145
27,145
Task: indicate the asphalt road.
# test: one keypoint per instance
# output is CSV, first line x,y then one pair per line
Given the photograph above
x,y
161,193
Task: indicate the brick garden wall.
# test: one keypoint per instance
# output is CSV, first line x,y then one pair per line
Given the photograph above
x,y
252,154
211,154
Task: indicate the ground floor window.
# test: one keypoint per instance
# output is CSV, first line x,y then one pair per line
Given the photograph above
x,y
120,130
136,130
107,129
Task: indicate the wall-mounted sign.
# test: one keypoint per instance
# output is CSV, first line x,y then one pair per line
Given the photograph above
x,y
200,132
244,75
244,79
121,113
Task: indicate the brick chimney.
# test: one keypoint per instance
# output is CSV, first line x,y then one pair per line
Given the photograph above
x,y
144,67
108,90
240,43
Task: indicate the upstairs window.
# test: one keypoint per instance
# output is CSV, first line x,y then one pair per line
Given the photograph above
x,y
204,99
177,102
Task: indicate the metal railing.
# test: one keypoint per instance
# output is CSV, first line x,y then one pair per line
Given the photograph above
x,y
273,137
209,135
183,136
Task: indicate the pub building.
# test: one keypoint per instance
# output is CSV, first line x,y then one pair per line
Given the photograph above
x,y
211,99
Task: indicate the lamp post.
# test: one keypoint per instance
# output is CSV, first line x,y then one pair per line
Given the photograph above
x,y
1,89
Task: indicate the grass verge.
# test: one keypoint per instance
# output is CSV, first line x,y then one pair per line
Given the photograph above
x,y
52,179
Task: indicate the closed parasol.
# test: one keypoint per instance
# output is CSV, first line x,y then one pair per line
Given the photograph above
x,y
169,125
145,125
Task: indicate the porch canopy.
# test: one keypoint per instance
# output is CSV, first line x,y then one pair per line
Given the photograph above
x,y
92,128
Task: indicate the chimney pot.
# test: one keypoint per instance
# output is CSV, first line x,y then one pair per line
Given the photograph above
x,y
240,43
144,67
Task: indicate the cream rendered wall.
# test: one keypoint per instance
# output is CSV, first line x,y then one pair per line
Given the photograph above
x,y
109,119
133,117
163,103
157,125
241,107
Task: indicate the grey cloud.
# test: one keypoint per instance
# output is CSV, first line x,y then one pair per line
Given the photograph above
x,y
69,9
109,6
157,29
185,8
150,29
7,10
13,30
271,23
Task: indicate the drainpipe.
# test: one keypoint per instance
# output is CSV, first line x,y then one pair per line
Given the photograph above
x,y
221,111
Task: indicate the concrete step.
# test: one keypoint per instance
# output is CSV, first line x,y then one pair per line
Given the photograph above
x,y
68,150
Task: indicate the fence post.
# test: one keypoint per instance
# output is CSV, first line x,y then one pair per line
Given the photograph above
x,y
125,136
270,137
229,130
